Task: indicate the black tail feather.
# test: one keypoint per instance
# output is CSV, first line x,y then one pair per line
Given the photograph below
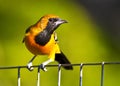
x,y
61,58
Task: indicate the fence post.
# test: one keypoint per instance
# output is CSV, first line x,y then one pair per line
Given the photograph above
x,y
18,84
59,74
102,74
81,74
38,76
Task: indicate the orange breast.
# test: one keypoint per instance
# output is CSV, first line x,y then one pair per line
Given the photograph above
x,y
37,49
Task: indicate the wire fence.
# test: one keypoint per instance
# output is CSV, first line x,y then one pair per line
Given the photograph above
x,y
81,65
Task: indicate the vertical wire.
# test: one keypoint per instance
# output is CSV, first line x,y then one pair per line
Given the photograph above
x,y
102,74
38,76
59,74
18,84
81,74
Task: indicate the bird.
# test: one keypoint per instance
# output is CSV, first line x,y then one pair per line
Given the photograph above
x,y
41,39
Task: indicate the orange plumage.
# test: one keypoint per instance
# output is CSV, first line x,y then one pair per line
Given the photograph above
x,y
40,40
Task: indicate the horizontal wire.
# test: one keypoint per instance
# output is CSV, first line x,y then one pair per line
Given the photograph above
x,y
87,64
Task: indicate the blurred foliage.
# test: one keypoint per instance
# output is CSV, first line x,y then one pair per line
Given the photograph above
x,y
82,40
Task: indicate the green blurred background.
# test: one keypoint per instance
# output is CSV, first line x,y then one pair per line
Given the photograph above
x,y
84,39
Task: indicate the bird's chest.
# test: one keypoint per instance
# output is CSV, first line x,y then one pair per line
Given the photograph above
x,y
37,48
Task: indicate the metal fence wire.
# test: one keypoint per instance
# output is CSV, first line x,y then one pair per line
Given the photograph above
x,y
81,65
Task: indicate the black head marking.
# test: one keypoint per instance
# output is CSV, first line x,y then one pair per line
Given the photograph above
x,y
53,19
44,36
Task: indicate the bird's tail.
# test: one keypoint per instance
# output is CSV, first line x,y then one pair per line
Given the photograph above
x,y
61,58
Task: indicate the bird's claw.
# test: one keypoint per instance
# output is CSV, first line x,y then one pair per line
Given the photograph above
x,y
42,66
29,66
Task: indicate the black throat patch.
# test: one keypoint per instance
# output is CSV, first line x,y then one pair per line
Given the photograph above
x,y
43,38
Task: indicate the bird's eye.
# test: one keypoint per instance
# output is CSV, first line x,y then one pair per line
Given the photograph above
x,y
53,19
50,19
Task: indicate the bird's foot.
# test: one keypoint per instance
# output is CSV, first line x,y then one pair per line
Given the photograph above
x,y
42,66
29,66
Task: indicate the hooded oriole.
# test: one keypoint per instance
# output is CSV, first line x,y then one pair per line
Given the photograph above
x,y
41,39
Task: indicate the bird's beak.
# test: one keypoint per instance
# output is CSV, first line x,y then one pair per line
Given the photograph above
x,y
60,21
56,24
63,21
